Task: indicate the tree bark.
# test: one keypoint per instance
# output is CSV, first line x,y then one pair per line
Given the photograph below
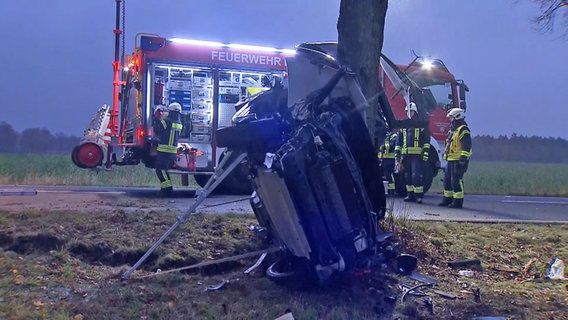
x,y
360,30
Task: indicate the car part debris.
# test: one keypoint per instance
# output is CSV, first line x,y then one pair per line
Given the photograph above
x,y
405,288
227,202
429,303
476,294
415,275
286,316
445,294
406,263
212,262
463,263
466,273
258,262
412,290
216,287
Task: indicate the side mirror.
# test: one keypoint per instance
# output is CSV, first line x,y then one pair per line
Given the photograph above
x,y
463,90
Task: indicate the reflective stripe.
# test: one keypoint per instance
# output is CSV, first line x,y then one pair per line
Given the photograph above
x,y
454,149
171,146
415,148
166,148
460,194
167,183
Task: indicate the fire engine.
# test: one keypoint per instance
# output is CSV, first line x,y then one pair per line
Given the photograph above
x,y
208,79
440,90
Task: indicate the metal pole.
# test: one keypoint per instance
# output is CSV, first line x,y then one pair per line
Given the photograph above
x,y
113,125
213,182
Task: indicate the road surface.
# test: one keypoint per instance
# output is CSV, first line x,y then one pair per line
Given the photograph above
x,y
478,208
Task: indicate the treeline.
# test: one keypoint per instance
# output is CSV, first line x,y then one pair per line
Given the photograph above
x,y
516,148
520,148
35,140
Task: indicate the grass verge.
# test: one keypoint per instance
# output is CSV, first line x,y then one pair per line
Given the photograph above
x,y
61,265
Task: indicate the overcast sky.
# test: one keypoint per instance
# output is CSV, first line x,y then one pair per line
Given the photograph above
x,y
56,55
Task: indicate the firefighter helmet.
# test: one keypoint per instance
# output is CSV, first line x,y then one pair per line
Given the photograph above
x,y
174,107
411,107
456,113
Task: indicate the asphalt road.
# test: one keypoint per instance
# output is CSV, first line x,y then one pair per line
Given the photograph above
x,y
479,208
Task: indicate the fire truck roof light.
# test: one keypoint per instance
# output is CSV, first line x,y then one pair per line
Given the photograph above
x,y
232,46
198,42
427,64
288,51
251,48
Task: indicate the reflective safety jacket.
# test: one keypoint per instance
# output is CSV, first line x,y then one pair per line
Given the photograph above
x,y
413,140
168,130
458,142
386,150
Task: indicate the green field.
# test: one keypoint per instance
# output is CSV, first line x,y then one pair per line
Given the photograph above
x,y
17,169
500,178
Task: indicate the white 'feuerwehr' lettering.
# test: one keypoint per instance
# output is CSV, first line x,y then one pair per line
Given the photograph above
x,y
238,57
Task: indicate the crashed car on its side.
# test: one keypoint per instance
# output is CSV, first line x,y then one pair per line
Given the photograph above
x,y
317,184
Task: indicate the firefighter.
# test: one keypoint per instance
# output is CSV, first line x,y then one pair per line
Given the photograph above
x,y
457,153
167,130
387,157
412,149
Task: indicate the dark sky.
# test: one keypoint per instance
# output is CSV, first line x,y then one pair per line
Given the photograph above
x,y
56,55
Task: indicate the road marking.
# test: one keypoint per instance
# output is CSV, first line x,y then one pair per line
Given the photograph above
x,y
534,201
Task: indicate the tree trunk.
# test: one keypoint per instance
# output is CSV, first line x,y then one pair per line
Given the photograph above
x,y
360,30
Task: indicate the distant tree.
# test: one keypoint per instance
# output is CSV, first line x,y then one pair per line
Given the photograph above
x,y
360,30
8,138
552,13
520,148
64,144
36,140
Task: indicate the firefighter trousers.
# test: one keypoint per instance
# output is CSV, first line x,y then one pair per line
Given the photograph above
x,y
164,161
388,171
413,167
453,180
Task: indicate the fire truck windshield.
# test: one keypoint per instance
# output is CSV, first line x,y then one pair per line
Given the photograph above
x,y
442,93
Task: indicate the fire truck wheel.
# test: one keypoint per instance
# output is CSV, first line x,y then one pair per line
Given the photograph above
x,y
201,179
75,159
237,182
89,155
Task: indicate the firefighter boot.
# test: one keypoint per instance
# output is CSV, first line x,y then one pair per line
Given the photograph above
x,y
419,197
457,203
446,201
410,197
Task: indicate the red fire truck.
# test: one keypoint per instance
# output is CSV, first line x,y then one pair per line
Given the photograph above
x,y
207,79
441,92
